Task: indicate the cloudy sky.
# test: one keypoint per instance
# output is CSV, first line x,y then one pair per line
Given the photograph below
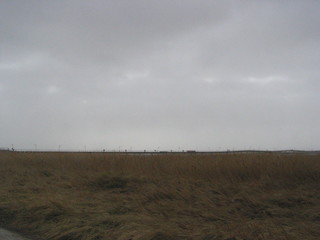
x,y
169,74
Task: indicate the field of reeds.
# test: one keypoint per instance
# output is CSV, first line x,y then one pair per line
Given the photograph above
x,y
97,196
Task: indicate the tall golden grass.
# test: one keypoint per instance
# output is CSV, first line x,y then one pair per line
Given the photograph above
x,y
68,196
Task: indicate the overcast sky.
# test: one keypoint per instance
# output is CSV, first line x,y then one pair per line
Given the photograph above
x,y
169,74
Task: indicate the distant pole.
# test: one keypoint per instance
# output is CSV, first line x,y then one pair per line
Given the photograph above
x,y
35,147
59,147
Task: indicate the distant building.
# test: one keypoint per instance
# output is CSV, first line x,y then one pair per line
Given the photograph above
x,y
191,151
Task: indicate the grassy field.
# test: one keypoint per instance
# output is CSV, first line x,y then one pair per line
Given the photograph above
x,y
82,196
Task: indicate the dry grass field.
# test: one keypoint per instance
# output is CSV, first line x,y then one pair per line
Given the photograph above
x,y
96,196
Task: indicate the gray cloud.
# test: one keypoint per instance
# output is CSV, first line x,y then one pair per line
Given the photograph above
x,y
167,74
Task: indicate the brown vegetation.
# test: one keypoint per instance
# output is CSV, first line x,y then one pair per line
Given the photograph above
x,y
96,196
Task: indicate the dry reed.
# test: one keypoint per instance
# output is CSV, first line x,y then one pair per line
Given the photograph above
x,y
95,196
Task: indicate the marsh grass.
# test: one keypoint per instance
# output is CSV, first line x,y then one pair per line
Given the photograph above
x,y
93,196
